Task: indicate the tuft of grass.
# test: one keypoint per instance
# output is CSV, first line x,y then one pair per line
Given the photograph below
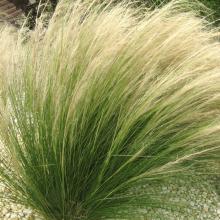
x,y
104,100
208,8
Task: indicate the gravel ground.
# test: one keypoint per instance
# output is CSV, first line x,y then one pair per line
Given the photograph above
x,y
13,211
200,198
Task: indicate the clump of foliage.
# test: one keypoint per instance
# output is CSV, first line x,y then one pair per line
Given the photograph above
x,y
34,10
214,5
103,101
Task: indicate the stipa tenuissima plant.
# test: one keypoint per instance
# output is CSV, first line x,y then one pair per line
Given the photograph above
x,y
107,98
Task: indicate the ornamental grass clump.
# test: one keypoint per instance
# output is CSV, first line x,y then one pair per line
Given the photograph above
x,y
104,100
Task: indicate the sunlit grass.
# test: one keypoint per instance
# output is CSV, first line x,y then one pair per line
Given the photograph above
x,y
104,100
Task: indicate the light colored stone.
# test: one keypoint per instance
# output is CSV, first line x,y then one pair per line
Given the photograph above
x,y
14,217
4,211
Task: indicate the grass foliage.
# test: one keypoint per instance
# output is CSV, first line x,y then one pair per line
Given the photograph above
x,y
213,6
104,100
